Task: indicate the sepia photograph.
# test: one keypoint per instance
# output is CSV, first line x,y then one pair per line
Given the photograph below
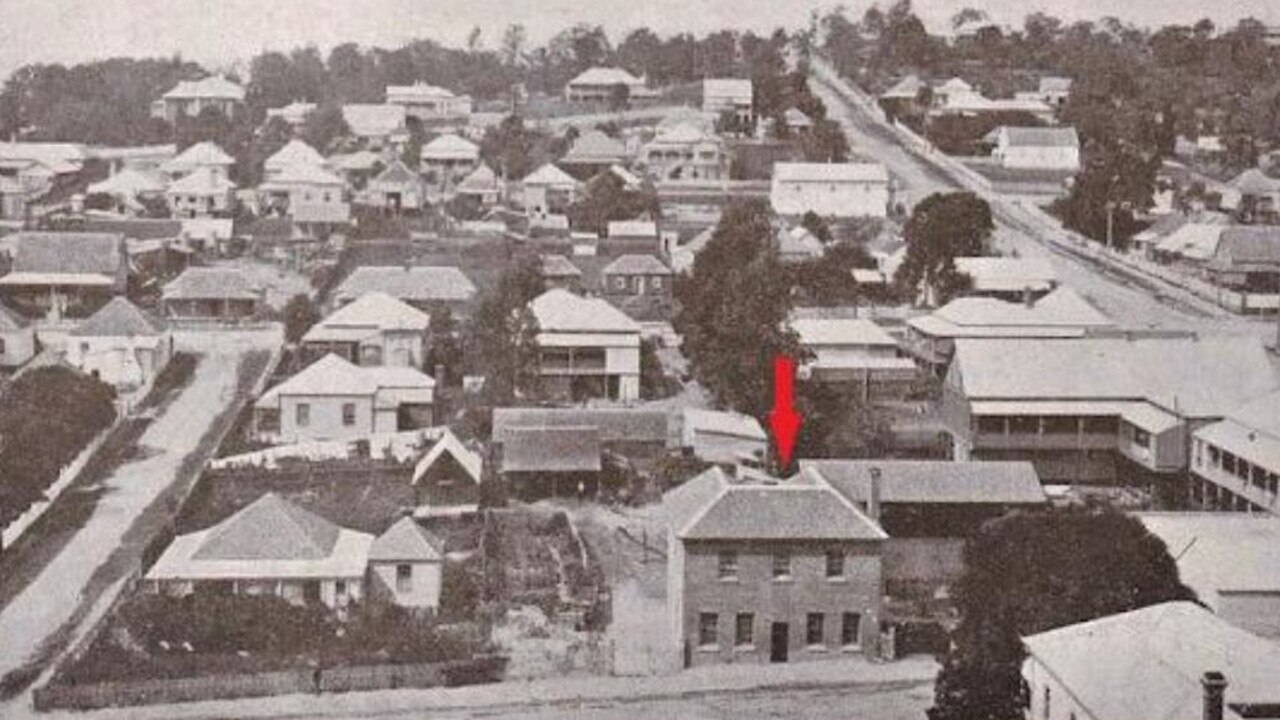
x,y
651,360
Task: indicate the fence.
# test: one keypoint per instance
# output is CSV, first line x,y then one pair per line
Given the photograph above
x,y
229,687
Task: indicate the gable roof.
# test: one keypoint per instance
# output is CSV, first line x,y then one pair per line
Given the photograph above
x,y
559,266
727,87
719,422
129,181
270,528
397,173
203,180
605,76
594,146
551,449
559,310
1061,308
449,445
614,424
907,88
831,172
201,283
841,331
368,120
1196,377
331,376
481,180
1011,274
76,253
1220,551
713,507
636,265
1040,136
1256,182
212,87
294,152
798,241
795,117
406,541
932,481
1253,244
360,160
450,147
302,174
551,175
1148,663
197,155
1051,83
368,314
119,318
417,283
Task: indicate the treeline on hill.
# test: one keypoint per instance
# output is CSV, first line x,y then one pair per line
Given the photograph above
x,y
55,102
1135,90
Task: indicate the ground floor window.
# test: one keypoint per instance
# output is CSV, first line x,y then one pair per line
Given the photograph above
x,y
813,629
744,629
849,624
707,627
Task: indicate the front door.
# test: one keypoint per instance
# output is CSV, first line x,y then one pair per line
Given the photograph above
x,y
311,592
778,643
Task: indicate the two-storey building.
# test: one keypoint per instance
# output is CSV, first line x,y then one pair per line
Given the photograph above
x,y
1096,410
638,285
763,570
373,329
1235,462
586,347
191,97
839,190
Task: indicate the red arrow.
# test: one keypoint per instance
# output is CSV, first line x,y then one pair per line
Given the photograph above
x,y
784,421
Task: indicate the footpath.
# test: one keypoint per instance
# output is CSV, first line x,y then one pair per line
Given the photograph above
x,y
519,695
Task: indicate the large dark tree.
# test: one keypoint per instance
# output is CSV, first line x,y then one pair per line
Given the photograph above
x,y
941,228
1031,572
734,308
500,341
607,199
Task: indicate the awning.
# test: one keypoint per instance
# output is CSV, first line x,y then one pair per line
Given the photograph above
x,y
1149,417
1083,408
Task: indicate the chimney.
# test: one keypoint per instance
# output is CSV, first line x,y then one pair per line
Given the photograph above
x,y
873,495
1215,687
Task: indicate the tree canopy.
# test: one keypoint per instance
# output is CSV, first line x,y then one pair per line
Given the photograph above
x,y
500,343
941,228
734,307
1031,572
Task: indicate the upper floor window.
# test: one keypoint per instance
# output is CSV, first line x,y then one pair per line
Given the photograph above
x,y
708,628
1141,437
835,563
782,565
727,565
302,415
404,578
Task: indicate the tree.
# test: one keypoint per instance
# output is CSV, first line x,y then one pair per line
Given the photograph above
x,y
734,308
619,97
300,313
941,228
513,41
1031,572
838,423
607,199
324,126
967,15
827,281
825,142
445,350
501,342
655,384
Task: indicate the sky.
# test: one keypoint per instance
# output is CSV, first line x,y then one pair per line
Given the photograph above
x,y
217,33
